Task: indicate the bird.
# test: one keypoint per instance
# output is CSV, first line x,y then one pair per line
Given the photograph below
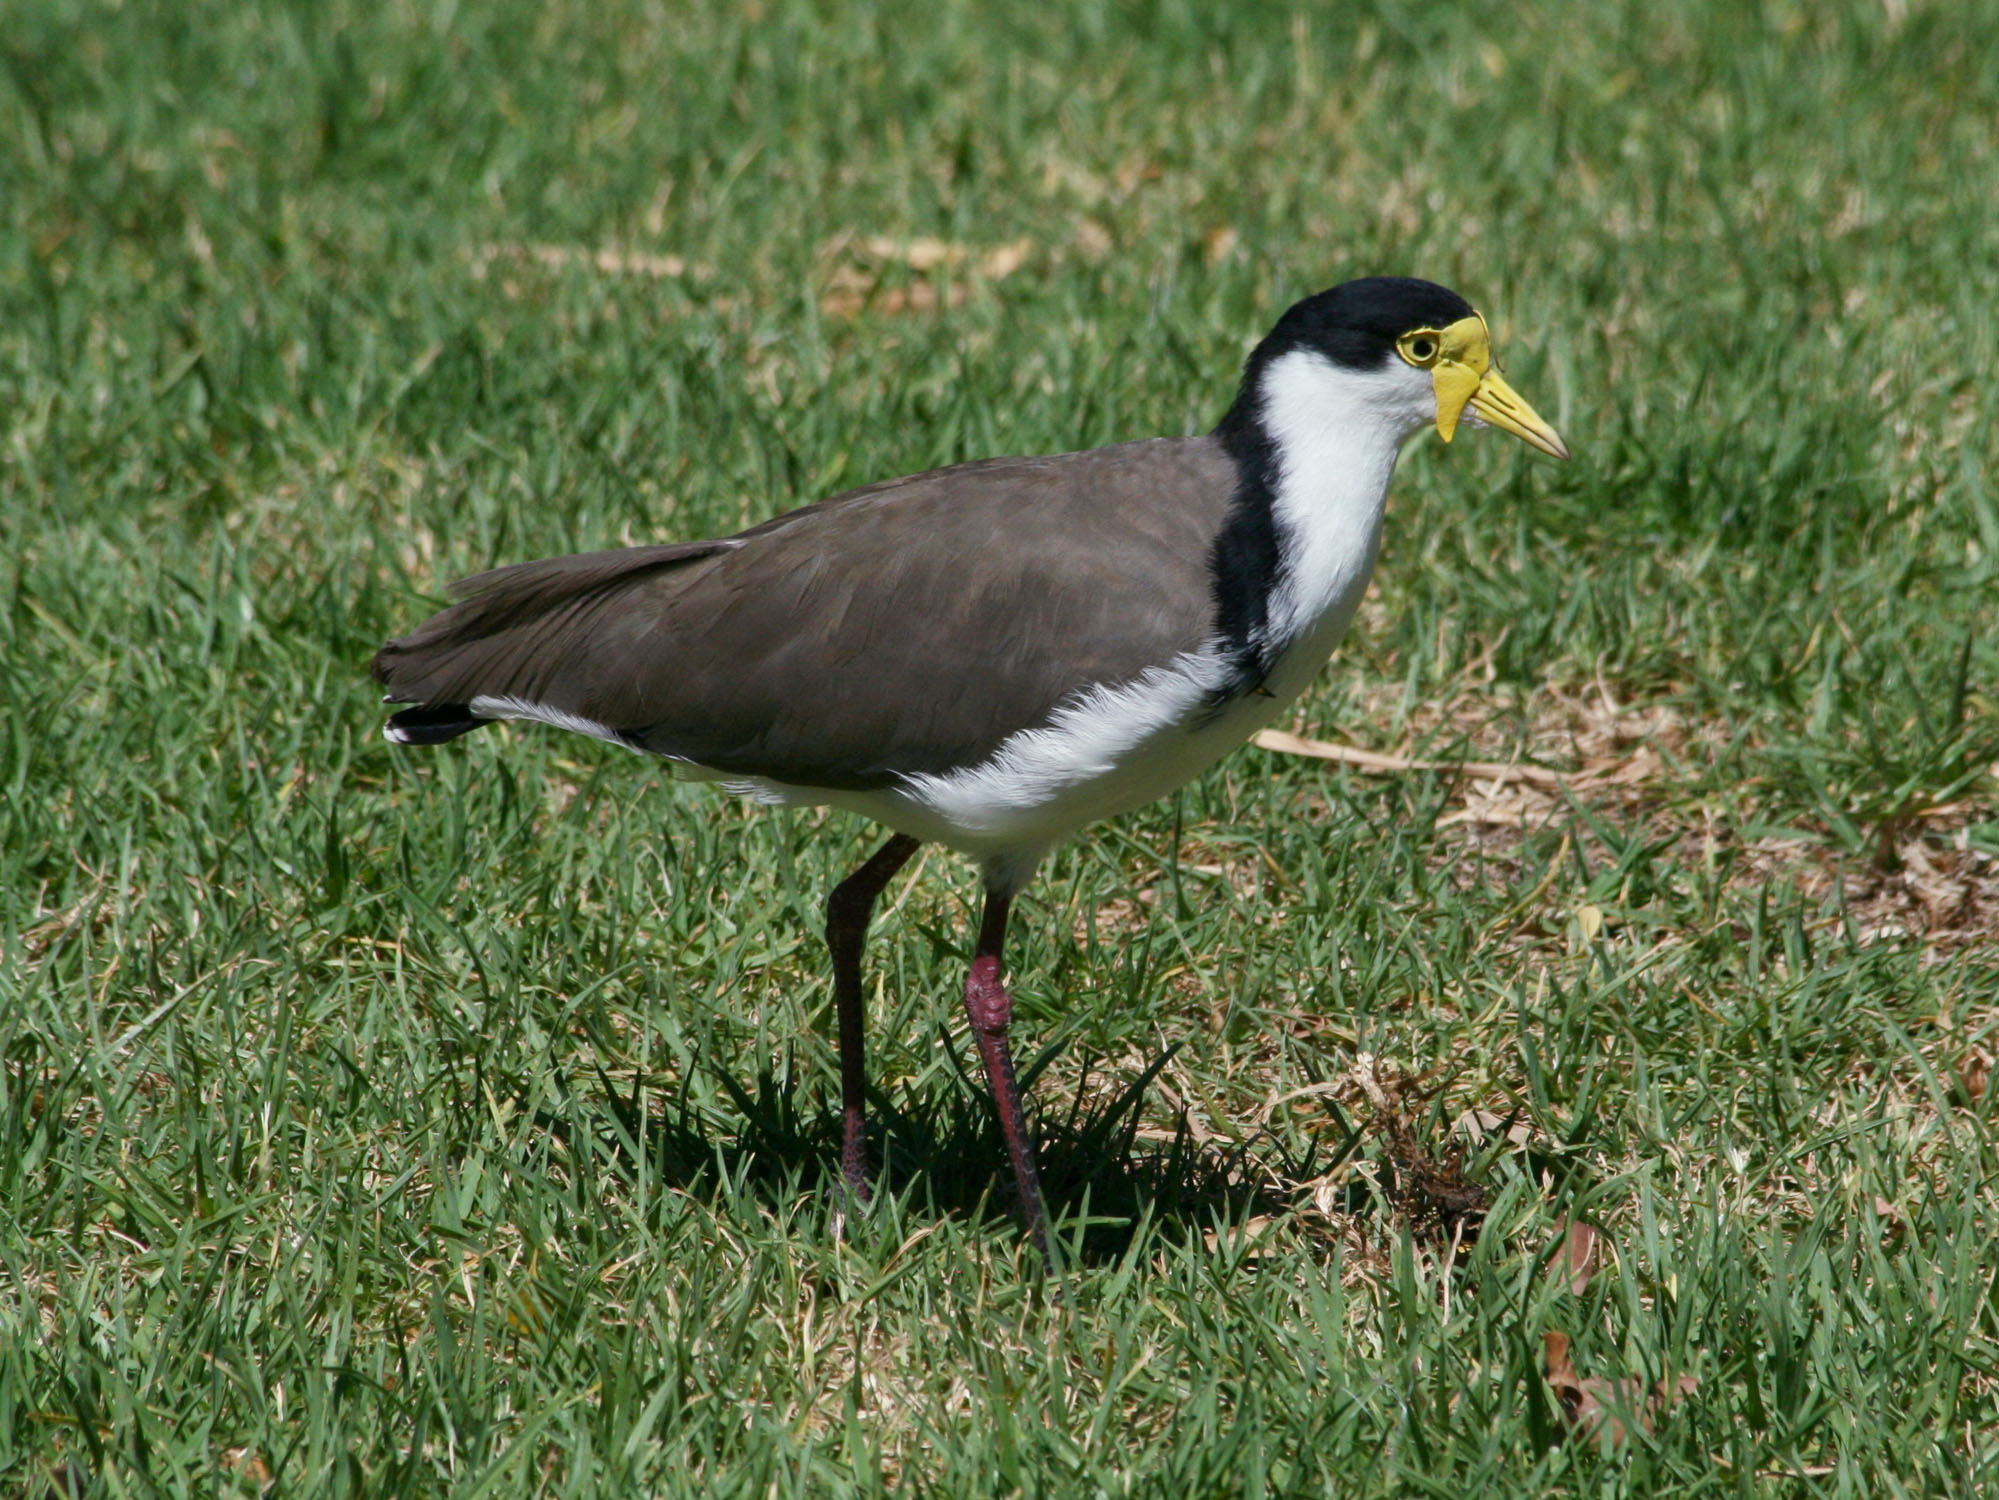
x,y
993,655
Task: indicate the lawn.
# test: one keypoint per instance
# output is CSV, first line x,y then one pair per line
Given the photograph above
x,y
389,1123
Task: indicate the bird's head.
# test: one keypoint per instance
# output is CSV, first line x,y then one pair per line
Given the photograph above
x,y
1391,350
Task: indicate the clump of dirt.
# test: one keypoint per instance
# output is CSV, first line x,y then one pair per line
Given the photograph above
x,y
1432,1191
1948,897
1428,1185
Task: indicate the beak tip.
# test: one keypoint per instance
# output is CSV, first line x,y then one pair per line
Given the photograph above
x,y
1499,405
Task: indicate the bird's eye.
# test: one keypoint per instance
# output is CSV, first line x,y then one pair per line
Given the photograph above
x,y
1420,347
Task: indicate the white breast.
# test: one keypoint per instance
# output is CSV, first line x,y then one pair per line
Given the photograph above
x,y
1337,434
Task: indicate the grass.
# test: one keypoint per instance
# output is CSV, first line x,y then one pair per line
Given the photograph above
x,y
376,1123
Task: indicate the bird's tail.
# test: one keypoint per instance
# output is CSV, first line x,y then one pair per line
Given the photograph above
x,y
503,644
432,724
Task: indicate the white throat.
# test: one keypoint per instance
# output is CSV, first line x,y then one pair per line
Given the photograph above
x,y
1337,433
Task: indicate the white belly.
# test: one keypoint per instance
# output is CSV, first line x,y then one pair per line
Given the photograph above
x,y
1044,784
1112,750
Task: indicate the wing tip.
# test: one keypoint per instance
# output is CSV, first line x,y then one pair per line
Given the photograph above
x,y
431,724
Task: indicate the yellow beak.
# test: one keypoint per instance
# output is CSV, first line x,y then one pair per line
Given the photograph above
x,y
1463,376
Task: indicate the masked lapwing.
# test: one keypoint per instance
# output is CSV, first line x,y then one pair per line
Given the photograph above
x,y
992,655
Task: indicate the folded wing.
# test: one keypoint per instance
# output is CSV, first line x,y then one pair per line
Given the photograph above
x,y
905,627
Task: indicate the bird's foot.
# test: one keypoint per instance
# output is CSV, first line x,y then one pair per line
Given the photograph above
x,y
990,1010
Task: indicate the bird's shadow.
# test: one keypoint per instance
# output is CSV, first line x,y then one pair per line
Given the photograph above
x,y
944,1150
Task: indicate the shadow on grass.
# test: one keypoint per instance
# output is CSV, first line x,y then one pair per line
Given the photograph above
x,y
947,1148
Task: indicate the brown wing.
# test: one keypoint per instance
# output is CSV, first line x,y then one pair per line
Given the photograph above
x,y
908,626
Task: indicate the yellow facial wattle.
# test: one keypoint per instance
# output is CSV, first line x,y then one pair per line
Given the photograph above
x,y
1459,359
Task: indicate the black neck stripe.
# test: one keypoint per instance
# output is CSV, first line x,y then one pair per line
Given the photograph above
x,y
1247,557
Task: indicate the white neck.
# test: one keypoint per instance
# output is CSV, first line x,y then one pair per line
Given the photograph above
x,y
1337,434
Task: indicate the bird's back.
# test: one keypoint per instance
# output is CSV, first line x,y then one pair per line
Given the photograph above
x,y
901,628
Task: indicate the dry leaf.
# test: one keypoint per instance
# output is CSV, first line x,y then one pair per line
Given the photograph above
x,y
1501,794
1495,805
1974,1072
918,254
557,257
247,1463
1590,1405
1134,170
1889,1215
928,254
1286,743
1642,765
1218,242
1092,239
851,290
1250,1233
1003,260
1477,1122
848,301
1366,1076
1575,1262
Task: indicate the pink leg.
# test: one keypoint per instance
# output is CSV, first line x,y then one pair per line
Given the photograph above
x,y
847,912
990,1010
